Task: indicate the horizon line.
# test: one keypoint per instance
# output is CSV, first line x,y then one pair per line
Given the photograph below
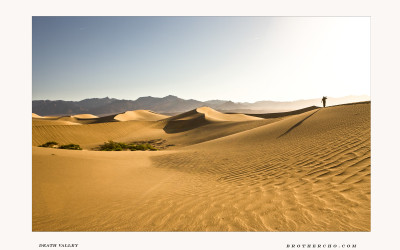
x,y
335,97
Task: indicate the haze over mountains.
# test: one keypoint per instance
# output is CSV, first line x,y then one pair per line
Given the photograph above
x,y
172,105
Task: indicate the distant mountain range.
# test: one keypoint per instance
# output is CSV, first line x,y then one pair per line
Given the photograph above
x,y
171,105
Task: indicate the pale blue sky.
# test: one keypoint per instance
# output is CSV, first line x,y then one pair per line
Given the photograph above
x,y
230,58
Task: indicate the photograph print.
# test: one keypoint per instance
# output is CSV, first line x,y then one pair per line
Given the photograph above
x,y
201,123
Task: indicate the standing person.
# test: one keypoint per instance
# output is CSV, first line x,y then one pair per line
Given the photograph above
x,y
324,100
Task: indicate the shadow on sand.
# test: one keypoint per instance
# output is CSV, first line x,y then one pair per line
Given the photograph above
x,y
297,124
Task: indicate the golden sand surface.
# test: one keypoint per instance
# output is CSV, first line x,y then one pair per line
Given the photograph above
x,y
36,115
304,172
140,115
85,116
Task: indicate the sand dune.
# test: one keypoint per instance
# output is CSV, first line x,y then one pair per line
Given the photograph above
x,y
202,116
45,122
140,115
308,171
283,114
92,135
53,120
213,115
85,116
210,114
71,120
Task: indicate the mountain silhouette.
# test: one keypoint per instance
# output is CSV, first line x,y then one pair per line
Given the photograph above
x,y
172,105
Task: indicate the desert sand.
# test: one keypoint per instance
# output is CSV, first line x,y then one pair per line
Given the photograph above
x,y
301,171
139,115
85,116
36,115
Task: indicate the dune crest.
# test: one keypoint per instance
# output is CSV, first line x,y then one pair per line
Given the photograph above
x,y
36,116
85,116
203,116
139,115
213,115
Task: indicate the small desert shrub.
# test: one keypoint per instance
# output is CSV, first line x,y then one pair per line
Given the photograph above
x,y
113,146
119,146
49,144
71,146
134,147
53,144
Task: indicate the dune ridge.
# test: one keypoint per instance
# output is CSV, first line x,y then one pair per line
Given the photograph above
x,y
202,116
213,115
139,115
85,116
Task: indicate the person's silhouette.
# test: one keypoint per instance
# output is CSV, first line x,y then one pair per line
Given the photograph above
x,y
324,100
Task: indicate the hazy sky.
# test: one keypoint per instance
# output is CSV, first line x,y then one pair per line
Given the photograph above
x,y
203,58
